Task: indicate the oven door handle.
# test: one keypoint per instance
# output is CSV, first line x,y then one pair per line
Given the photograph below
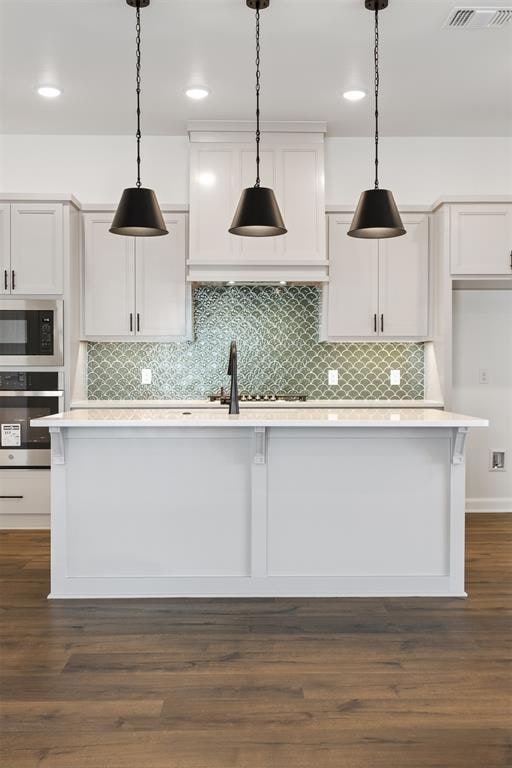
x,y
30,393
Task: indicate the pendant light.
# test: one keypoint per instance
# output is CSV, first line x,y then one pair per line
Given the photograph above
x,y
376,214
258,213
138,212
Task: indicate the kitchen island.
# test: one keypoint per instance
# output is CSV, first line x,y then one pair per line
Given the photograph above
x,y
270,502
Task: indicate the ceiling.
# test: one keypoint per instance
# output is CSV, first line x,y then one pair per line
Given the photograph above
x,y
434,81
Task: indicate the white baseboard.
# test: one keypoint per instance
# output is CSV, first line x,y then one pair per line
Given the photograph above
x,y
20,521
489,505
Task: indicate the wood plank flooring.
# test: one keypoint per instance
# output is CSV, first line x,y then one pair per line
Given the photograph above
x,y
346,683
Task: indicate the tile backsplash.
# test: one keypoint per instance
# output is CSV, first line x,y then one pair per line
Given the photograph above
x,y
276,329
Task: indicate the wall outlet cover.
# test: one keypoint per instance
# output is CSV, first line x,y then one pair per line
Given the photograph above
x,y
483,376
394,378
145,376
332,377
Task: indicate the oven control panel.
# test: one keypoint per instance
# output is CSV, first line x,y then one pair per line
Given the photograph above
x,y
29,381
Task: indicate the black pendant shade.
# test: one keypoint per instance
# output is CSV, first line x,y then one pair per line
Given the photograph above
x,y
376,216
138,214
258,214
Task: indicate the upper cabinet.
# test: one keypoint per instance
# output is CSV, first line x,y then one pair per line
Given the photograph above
x,y
134,289
481,239
32,248
378,289
222,165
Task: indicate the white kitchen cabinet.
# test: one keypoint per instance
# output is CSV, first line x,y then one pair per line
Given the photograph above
x,y
134,289
378,289
5,248
160,282
214,170
353,289
404,280
25,498
293,166
108,280
481,239
32,242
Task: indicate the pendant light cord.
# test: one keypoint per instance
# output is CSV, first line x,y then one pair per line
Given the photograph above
x,y
258,74
137,80
376,61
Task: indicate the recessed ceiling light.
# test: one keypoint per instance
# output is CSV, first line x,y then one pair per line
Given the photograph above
x,y
49,91
197,93
354,95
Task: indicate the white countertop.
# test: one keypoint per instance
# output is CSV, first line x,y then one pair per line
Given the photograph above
x,y
290,417
308,404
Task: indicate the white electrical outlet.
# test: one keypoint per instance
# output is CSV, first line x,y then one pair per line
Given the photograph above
x,y
394,378
145,376
483,376
332,377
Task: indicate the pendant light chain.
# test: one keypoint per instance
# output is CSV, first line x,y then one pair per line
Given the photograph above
x,y
137,79
376,60
258,75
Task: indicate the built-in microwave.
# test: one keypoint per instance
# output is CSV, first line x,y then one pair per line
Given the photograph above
x,y
31,332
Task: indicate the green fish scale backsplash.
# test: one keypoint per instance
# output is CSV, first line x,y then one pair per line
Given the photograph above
x,y
276,329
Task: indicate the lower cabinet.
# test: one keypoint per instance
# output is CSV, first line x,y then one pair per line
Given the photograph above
x,y
24,498
378,289
135,289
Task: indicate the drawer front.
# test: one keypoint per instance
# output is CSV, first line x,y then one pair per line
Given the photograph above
x,y
25,492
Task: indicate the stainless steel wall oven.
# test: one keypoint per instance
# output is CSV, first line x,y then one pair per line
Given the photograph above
x,y
24,396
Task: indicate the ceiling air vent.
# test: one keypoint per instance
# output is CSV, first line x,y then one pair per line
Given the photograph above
x,y
479,18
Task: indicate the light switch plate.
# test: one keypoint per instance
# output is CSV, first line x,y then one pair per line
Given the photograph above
x,y
145,376
394,378
332,377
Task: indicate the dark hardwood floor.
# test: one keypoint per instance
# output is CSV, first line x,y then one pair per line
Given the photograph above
x,y
348,683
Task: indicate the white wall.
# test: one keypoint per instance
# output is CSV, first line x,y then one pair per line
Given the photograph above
x,y
419,170
482,325
96,168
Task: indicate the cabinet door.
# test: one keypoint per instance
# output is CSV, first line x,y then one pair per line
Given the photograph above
x,y
301,197
5,248
108,280
481,239
352,294
161,289
37,248
214,177
403,281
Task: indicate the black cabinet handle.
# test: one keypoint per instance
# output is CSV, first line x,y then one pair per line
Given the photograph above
x,y
5,280
375,323
13,283
382,323
138,322
11,497
131,322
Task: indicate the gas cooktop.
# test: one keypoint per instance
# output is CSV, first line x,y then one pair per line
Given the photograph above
x,y
268,397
